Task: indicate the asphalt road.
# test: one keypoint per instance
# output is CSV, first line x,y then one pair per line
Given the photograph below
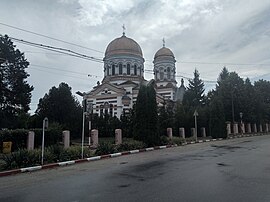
x,y
231,170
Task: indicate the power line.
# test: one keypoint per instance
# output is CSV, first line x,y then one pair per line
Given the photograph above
x,y
42,35
58,69
58,50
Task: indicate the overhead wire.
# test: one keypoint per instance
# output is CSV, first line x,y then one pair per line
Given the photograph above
x,y
52,38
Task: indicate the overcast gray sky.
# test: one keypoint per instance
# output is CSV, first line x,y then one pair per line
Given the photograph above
x,y
206,34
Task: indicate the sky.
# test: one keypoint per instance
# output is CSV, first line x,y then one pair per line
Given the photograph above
x,y
202,34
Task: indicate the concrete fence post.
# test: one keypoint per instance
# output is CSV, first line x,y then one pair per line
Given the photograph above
x,y
242,128
228,128
203,132
66,138
248,128
118,136
31,140
235,128
182,133
169,133
266,128
94,137
254,128
261,128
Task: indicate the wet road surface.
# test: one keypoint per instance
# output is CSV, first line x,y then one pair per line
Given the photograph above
x,y
231,170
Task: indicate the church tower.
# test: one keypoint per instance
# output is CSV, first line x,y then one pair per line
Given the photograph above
x,y
164,71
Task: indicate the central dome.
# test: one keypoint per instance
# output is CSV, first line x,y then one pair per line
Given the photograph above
x,y
164,52
123,45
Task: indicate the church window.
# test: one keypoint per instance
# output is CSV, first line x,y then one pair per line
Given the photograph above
x,y
161,75
135,69
113,69
128,69
120,69
168,73
140,70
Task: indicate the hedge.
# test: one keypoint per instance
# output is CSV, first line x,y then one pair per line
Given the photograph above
x,y
18,137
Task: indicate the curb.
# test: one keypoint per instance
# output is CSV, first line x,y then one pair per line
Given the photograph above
x,y
95,158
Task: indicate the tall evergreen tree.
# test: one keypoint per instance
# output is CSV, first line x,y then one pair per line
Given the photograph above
x,y
146,118
194,95
15,92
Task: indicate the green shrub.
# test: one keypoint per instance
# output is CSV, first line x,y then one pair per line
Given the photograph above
x,y
75,152
18,137
177,140
105,148
164,140
130,145
190,139
21,158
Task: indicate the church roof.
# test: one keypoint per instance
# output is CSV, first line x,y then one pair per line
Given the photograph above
x,y
164,52
123,45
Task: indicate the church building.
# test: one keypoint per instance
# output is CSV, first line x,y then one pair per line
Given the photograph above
x,y
124,73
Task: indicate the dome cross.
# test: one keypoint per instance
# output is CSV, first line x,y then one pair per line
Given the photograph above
x,y
124,29
163,41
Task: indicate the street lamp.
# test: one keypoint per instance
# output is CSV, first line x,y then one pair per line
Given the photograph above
x,y
84,114
195,120
241,116
45,126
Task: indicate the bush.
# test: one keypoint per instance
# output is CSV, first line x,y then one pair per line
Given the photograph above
x,y
177,140
21,158
18,137
105,148
164,140
130,145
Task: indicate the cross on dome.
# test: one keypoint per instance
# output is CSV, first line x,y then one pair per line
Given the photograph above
x,y
124,29
163,40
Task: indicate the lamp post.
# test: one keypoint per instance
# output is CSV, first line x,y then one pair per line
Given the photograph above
x,y
195,120
45,126
83,118
241,116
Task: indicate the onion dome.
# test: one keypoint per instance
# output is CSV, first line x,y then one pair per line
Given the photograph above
x,y
123,45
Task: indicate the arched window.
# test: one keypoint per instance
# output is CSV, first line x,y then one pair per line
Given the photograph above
x,y
113,69
168,73
128,69
120,68
161,75
140,70
135,69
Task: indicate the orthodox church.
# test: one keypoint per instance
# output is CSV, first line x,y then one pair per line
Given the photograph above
x,y
124,73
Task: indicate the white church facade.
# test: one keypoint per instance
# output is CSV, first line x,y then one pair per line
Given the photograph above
x,y
124,73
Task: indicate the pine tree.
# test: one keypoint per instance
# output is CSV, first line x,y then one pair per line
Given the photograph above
x,y
194,95
15,92
146,118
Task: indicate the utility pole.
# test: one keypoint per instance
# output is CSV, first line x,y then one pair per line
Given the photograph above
x,y
195,119
45,126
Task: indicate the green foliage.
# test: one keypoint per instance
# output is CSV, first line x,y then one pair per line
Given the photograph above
x,y
130,145
56,153
18,137
61,107
21,158
194,96
146,118
15,92
105,148
178,140
105,124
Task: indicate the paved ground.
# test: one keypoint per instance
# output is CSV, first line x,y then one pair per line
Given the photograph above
x,y
231,170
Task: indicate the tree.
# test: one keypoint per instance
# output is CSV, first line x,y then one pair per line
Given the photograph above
x,y
15,92
146,118
194,95
60,106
